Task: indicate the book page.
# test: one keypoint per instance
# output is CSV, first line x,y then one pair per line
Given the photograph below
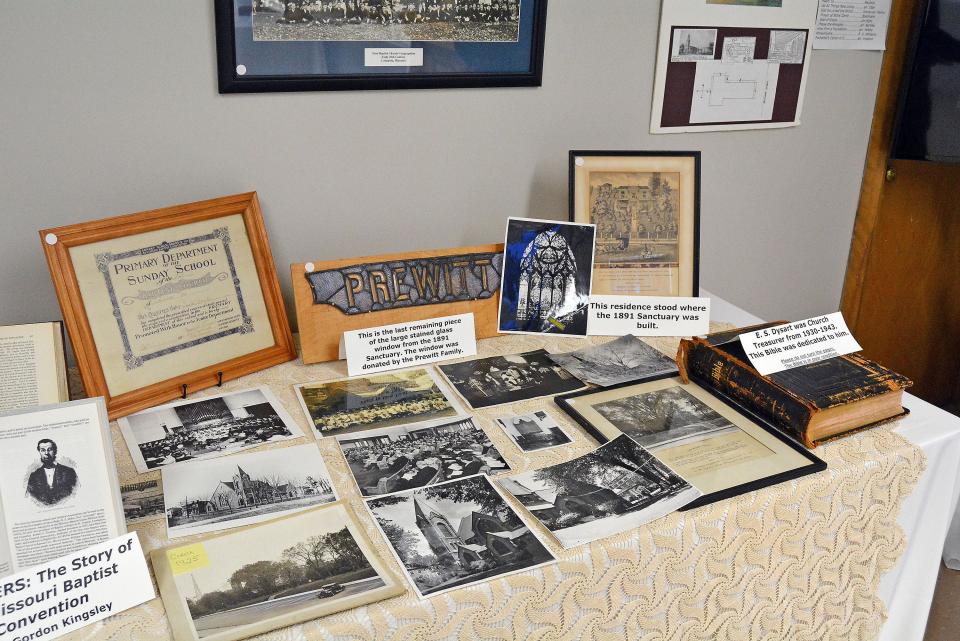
x,y
29,366
57,482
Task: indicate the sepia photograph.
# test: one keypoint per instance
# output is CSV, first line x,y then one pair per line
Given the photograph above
x,y
546,279
276,574
693,44
142,501
496,380
646,207
206,428
386,20
623,359
232,491
535,431
615,488
356,404
456,534
663,416
399,458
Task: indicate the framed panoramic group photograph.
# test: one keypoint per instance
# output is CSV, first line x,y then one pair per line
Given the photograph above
x,y
309,45
720,448
646,206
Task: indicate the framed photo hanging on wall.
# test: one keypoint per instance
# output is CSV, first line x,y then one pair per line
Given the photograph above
x,y
646,206
311,45
169,301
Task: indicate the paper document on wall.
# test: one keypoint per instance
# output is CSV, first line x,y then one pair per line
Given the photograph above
x,y
852,24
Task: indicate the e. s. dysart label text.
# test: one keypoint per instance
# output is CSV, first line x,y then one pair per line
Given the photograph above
x,y
379,349
648,316
50,600
775,349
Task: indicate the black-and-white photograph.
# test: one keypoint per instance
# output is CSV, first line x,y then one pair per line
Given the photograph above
x,y
455,534
547,272
400,458
142,501
623,359
206,428
247,488
386,20
657,418
693,44
496,380
615,488
53,477
277,573
369,402
534,431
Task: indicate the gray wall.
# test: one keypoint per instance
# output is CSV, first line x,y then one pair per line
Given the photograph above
x,y
110,107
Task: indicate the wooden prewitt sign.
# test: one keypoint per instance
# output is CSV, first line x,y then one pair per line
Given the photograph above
x,y
355,293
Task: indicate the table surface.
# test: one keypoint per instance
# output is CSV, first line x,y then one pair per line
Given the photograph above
x,y
907,589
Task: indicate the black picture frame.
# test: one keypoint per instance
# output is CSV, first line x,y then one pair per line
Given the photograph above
x,y
815,463
229,81
695,155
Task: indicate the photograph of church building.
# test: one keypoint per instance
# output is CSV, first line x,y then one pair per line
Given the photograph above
x,y
248,488
454,534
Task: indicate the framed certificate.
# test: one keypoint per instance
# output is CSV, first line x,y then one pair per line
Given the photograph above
x,y
718,446
646,206
169,301
311,45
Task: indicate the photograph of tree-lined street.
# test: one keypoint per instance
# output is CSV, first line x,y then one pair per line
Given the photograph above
x,y
276,569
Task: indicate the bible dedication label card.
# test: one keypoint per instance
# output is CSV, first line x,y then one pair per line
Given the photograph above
x,y
775,349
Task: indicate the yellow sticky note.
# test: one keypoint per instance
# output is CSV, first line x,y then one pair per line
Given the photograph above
x,y
188,558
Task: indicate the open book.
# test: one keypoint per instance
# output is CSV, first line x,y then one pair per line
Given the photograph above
x,y
58,483
33,368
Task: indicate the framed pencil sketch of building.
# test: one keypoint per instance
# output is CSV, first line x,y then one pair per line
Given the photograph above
x,y
646,206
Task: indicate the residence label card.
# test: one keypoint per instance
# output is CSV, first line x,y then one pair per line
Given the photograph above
x,y
775,349
378,349
648,316
61,596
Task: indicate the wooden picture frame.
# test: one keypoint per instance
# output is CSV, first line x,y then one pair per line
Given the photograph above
x,y
364,45
197,328
322,324
625,261
748,452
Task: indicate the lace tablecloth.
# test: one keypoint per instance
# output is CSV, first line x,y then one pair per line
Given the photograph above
x,y
800,560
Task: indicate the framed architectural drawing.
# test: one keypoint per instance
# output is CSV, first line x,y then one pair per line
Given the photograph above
x,y
731,66
166,302
307,45
718,446
646,206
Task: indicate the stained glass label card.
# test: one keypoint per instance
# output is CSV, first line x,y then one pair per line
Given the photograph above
x,y
309,45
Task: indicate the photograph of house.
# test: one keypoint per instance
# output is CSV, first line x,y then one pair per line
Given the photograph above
x,y
455,534
248,488
615,488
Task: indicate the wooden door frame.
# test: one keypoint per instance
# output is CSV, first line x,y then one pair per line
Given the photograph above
x,y
903,16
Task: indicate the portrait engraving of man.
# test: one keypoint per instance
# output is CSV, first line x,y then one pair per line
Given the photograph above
x,y
52,482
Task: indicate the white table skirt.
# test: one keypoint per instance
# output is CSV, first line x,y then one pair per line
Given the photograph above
x,y
929,516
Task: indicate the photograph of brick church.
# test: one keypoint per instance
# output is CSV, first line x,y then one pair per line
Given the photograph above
x,y
615,488
248,488
455,534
